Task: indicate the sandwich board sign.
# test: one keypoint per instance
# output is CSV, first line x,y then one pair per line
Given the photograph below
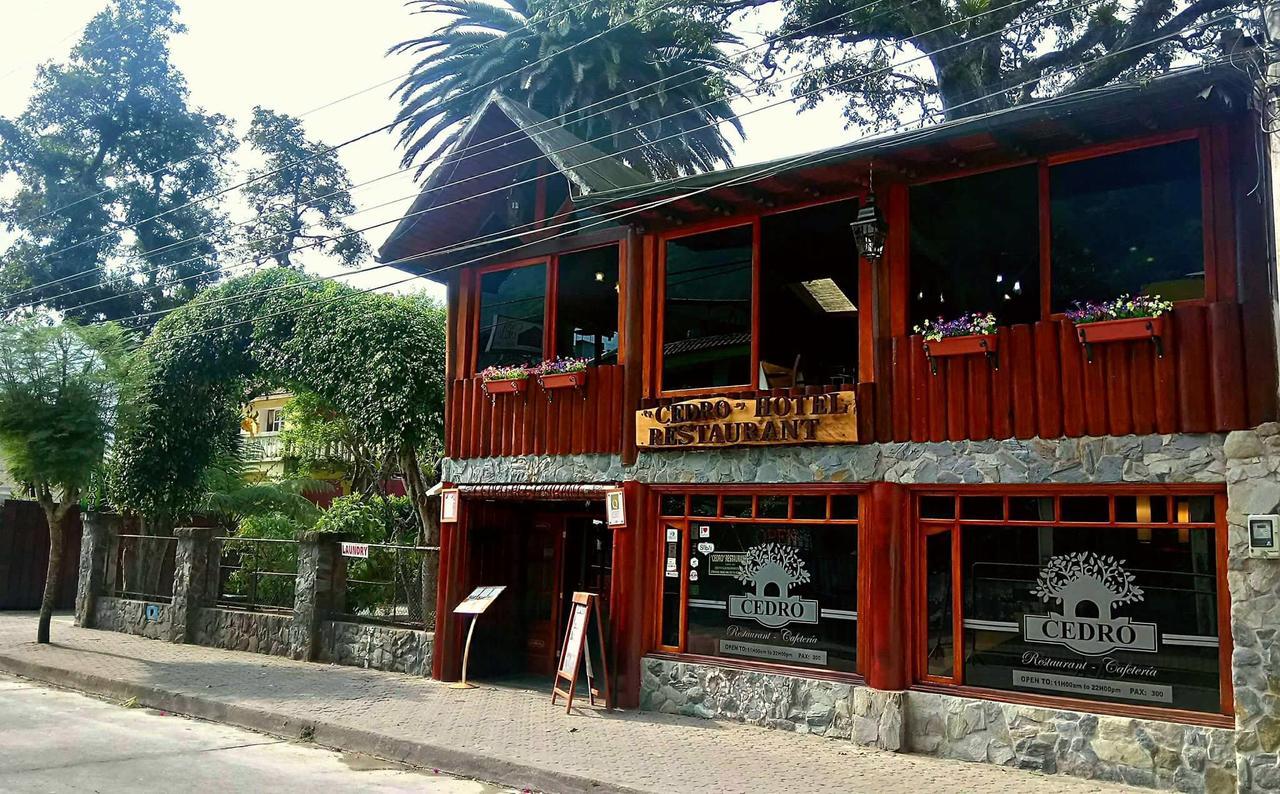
x,y
576,650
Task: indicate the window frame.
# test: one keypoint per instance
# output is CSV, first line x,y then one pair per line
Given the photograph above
x,y
550,294
866,292
923,528
1217,247
661,521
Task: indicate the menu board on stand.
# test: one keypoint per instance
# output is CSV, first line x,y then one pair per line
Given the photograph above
x,y
584,626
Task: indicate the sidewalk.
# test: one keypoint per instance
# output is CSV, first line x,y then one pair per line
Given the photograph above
x,y
507,735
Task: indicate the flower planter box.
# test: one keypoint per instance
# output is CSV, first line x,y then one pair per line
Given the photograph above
x,y
563,380
975,344
513,386
1128,329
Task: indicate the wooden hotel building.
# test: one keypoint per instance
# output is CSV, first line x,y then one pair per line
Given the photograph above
x,y
1041,545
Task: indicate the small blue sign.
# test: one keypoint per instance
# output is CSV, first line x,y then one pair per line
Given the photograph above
x,y
153,611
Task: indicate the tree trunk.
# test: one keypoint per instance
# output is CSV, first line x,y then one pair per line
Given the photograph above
x,y
428,510
53,515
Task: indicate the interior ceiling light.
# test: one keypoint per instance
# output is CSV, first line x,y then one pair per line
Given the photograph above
x,y
828,296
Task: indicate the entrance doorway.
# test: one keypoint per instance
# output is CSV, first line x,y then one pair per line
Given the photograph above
x,y
543,553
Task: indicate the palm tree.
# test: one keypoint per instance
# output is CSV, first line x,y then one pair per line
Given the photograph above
x,y
665,92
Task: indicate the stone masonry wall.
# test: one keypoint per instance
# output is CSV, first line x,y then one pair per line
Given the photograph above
x,y
256,632
1178,457
1053,741
389,648
1253,488
130,617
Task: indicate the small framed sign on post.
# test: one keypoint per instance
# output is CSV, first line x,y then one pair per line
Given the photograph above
x,y
615,508
449,498
474,605
576,651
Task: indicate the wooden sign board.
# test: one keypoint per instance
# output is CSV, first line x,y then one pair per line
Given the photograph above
x,y
479,600
576,650
830,418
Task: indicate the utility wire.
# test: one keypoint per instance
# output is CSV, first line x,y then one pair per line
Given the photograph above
x,y
419,213
489,145
765,172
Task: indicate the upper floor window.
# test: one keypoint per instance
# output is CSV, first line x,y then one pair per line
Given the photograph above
x,y
518,323
1128,223
512,309
707,311
1121,223
274,422
587,305
769,304
975,247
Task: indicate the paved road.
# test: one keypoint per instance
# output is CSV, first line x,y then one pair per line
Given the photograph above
x,y
54,741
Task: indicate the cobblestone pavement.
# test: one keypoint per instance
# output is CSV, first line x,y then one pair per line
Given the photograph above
x,y
639,751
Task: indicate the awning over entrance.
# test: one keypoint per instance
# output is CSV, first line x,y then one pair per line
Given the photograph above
x,y
517,491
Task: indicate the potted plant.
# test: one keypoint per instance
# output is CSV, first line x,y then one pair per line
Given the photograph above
x,y
968,334
501,379
562,373
1122,319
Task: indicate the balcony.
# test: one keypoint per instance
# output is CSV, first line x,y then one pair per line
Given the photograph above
x,y
537,422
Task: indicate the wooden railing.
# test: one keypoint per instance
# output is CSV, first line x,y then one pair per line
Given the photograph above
x,y
1218,373
570,422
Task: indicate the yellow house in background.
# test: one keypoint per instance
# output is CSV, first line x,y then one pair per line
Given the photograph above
x,y
260,433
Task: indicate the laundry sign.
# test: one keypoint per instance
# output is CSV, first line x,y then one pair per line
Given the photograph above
x,y
358,550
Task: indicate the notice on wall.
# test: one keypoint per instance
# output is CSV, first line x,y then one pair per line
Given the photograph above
x,y
357,550
767,421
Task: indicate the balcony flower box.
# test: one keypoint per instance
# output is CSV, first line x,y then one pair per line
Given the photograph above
x,y
504,380
1124,319
968,335
562,373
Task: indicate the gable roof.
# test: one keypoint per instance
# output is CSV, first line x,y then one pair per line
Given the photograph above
x,y
464,181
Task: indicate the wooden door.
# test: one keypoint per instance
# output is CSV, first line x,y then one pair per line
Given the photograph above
x,y
543,548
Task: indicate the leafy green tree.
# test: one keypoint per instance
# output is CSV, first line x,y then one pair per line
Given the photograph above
x,y
562,56
231,498
378,360
108,141
389,583
299,195
853,47
59,387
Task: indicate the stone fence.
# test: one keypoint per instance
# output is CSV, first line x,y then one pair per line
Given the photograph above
x,y
312,631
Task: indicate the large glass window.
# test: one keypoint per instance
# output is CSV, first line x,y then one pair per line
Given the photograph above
x,y
975,247
587,305
809,296
1122,609
707,316
762,589
1128,223
512,310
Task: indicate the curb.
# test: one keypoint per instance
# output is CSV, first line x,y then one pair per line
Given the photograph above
x,y
326,734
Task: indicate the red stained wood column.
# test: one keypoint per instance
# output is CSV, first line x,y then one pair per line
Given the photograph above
x,y
446,660
883,616
631,581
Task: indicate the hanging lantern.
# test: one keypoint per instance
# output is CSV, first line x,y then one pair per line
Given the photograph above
x,y
870,229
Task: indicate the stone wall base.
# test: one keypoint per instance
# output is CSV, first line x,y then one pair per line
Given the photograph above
x,y
256,632
389,648
128,616
1148,753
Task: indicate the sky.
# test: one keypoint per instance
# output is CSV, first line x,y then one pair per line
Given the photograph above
x,y
295,56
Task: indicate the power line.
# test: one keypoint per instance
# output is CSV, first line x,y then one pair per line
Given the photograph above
x,y
362,136
490,145
648,143
766,171
419,213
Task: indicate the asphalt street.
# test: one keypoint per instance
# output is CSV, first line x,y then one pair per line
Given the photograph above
x,y
57,741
